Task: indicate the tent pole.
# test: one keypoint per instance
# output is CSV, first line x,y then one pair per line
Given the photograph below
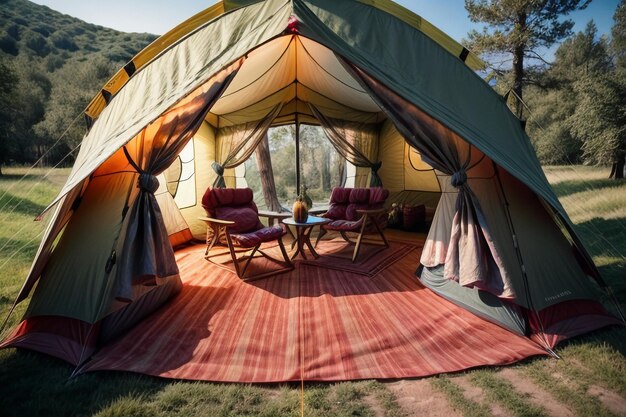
x,y
297,155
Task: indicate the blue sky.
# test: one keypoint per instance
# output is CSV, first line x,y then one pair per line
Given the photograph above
x,y
157,16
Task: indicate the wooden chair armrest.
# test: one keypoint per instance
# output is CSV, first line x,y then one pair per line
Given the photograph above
x,y
274,214
318,211
217,221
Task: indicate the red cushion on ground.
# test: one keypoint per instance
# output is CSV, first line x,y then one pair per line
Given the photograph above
x,y
266,234
246,219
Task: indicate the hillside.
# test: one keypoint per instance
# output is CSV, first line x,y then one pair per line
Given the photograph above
x,y
54,39
51,66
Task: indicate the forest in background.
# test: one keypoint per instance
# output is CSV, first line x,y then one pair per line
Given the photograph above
x,y
51,65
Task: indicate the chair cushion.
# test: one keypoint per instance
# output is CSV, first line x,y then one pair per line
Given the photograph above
x,y
340,195
336,211
250,240
351,211
359,196
246,219
378,196
231,197
343,225
216,197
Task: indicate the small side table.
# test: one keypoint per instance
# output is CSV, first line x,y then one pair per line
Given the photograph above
x,y
303,234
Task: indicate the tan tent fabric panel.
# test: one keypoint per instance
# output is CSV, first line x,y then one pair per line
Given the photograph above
x,y
403,176
390,152
174,221
290,67
418,175
204,148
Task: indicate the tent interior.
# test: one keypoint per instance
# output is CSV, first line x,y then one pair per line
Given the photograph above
x,y
315,322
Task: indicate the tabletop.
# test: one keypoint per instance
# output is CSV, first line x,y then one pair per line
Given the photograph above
x,y
310,221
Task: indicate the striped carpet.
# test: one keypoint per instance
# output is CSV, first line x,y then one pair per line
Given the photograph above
x,y
311,323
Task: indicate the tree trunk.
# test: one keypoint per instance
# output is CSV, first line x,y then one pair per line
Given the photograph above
x,y
340,163
617,170
326,169
266,174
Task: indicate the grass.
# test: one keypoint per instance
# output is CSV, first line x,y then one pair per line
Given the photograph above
x,y
500,391
34,384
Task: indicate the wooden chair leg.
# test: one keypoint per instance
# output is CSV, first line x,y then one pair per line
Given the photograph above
x,y
357,247
233,255
380,232
214,238
320,235
250,257
284,251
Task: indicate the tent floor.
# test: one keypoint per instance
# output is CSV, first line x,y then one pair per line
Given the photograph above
x,y
313,323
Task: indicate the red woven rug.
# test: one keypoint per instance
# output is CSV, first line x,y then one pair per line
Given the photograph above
x,y
372,259
311,323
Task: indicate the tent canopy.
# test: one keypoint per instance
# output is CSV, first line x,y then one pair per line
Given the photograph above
x,y
366,68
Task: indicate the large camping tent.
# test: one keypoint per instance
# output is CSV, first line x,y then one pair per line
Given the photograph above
x,y
202,96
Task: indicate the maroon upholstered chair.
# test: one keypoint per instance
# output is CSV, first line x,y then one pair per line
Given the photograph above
x,y
360,211
233,219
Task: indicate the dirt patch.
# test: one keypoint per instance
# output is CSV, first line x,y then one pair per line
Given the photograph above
x,y
474,393
611,400
374,405
535,393
418,398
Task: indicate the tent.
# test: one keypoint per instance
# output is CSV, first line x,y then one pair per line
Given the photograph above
x,y
403,95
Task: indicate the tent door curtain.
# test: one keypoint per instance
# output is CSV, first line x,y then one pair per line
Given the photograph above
x,y
471,258
235,144
356,142
146,248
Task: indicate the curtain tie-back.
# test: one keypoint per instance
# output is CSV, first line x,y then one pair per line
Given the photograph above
x,y
376,166
148,182
219,170
459,178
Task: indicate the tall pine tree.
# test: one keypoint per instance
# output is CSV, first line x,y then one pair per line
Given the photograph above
x,y
518,29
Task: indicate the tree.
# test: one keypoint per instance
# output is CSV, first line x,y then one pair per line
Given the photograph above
x,y
618,32
266,175
581,56
519,29
8,83
600,120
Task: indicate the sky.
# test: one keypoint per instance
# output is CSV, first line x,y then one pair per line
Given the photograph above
x,y
158,16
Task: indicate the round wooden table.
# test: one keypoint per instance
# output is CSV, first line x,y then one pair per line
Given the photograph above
x,y
303,234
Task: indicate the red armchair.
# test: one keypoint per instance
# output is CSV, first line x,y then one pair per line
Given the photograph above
x,y
233,219
360,211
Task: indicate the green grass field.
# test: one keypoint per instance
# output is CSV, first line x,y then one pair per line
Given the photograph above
x,y
589,380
